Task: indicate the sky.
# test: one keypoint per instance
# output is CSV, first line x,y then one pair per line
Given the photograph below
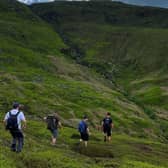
x,y
157,3
34,1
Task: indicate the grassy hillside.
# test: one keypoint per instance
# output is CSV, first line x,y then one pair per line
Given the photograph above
x,y
37,69
123,152
129,49
83,25
36,73
115,13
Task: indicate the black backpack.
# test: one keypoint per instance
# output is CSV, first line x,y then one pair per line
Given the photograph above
x,y
52,122
12,122
107,122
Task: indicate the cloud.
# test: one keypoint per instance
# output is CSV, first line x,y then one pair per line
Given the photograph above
x,y
34,1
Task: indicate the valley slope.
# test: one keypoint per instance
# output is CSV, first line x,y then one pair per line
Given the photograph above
x,y
51,65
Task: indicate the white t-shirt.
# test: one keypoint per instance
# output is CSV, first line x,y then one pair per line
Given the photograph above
x,y
20,116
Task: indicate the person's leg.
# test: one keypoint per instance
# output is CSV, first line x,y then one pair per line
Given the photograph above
x,y
13,144
54,140
20,138
54,137
86,143
81,137
86,138
109,134
105,134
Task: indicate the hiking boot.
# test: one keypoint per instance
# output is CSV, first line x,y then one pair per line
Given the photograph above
x,y
18,151
13,150
13,147
53,144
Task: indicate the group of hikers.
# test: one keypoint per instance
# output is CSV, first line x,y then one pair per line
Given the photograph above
x,y
15,117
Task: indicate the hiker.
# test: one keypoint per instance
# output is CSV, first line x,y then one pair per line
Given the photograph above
x,y
52,124
13,120
84,131
107,125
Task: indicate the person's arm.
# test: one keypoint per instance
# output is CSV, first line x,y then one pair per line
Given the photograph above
x,y
23,120
112,125
59,124
5,119
24,124
88,130
5,122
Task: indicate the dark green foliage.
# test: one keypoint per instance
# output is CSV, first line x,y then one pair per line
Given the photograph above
x,y
95,151
102,12
164,127
150,113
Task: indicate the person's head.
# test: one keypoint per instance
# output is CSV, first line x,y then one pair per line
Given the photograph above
x,y
85,118
16,105
108,115
21,107
55,114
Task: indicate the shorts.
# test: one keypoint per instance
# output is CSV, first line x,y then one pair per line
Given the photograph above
x,y
84,136
54,132
107,131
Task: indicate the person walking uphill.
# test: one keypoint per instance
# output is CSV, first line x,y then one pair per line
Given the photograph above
x,y
13,120
107,125
84,130
52,124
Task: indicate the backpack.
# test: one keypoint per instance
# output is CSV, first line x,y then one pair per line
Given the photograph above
x,y
82,127
12,122
52,122
107,122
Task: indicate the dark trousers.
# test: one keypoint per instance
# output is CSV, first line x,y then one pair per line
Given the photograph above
x,y
18,140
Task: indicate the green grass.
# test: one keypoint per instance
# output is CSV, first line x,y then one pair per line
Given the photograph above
x,y
35,73
122,151
132,164
126,45
38,68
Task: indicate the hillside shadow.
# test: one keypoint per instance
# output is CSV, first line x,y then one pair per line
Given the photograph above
x,y
94,150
